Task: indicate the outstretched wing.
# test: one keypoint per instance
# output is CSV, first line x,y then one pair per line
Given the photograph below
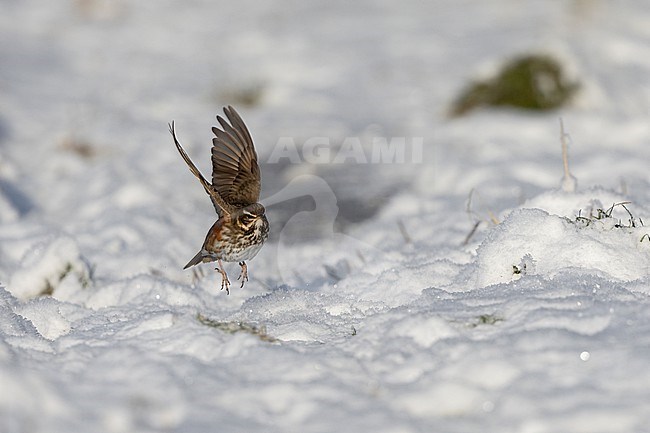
x,y
235,173
219,204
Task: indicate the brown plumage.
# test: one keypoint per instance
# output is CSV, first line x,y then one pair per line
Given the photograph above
x,y
242,227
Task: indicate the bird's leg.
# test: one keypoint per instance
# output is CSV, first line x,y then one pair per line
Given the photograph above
x,y
244,273
224,278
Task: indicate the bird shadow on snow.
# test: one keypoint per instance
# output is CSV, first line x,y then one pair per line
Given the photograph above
x,y
18,200
338,252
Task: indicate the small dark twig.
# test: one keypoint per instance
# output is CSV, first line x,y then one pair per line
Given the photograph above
x,y
402,230
599,215
609,211
471,232
632,223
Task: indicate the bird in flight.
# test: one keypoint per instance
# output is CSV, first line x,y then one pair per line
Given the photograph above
x,y
242,227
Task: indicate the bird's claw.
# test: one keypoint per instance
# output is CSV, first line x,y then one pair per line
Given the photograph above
x,y
243,276
225,282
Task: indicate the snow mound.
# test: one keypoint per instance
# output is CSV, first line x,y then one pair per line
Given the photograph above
x,y
534,242
53,266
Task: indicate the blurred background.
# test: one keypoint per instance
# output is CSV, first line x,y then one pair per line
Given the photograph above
x,y
394,310
87,88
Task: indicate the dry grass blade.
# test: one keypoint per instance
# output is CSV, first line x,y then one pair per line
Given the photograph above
x,y
233,327
404,232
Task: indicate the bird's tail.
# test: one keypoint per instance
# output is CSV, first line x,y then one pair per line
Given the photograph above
x,y
198,258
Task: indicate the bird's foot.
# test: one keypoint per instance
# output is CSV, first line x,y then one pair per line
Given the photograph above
x,y
243,276
225,282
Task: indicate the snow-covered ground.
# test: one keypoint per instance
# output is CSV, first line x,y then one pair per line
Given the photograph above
x,y
373,307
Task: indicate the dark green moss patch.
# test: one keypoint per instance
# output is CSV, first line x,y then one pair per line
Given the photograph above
x,y
531,82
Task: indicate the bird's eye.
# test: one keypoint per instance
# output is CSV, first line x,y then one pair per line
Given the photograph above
x,y
247,218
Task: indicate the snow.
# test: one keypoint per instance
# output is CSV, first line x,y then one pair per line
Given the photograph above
x,y
373,306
